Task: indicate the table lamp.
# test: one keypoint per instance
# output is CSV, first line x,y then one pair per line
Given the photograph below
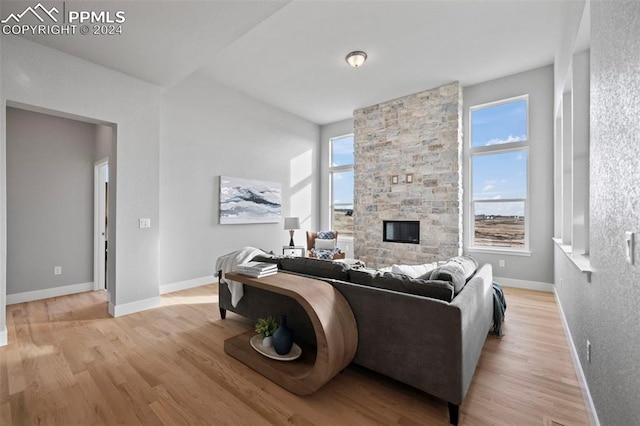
x,y
291,223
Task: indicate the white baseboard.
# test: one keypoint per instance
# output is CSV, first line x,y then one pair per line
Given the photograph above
x,y
183,285
133,307
529,285
3,337
586,394
29,296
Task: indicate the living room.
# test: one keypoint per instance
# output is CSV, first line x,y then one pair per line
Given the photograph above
x,y
176,133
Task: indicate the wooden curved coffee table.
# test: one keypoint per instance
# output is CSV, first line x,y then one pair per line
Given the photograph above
x,y
333,323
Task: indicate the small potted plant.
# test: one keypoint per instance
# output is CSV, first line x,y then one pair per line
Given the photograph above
x,y
265,327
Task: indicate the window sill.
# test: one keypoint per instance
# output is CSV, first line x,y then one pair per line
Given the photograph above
x,y
504,251
581,261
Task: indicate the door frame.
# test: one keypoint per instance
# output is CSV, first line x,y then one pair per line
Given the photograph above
x,y
99,214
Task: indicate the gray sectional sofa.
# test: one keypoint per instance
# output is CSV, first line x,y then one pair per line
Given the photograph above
x,y
427,332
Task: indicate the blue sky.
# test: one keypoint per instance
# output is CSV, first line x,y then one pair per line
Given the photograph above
x,y
503,175
342,154
500,123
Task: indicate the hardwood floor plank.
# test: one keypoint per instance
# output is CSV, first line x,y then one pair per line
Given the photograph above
x,y
69,363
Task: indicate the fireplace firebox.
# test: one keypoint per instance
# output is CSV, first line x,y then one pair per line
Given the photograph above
x,y
401,231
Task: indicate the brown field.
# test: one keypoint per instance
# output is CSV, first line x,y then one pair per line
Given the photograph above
x,y
342,223
499,231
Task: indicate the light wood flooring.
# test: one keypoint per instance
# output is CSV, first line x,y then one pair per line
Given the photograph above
x,y
69,363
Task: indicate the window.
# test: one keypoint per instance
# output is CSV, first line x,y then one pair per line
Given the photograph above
x,y
498,157
341,175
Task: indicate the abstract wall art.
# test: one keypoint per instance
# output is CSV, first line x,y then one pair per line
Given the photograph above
x,y
249,201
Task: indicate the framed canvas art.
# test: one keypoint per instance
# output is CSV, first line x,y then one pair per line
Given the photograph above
x,y
249,201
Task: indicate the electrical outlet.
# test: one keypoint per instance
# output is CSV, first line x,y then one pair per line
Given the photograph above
x,y
560,283
145,223
501,263
57,270
588,351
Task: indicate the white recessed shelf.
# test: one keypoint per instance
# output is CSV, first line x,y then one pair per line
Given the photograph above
x,y
582,261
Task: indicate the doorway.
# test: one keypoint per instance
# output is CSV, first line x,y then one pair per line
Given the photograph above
x,y
101,220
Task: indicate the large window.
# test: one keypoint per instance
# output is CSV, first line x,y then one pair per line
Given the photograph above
x,y
498,157
341,175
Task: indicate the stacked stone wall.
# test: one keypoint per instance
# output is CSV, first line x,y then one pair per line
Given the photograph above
x,y
421,135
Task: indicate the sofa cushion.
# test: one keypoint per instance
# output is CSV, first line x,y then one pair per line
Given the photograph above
x,y
435,289
413,271
316,267
458,270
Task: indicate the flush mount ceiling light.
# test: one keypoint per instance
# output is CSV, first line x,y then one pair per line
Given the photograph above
x,y
357,58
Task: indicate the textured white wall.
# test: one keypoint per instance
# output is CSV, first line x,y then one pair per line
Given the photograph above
x,y
538,84
614,374
208,130
605,311
44,78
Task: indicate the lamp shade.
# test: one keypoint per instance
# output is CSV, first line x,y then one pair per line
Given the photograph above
x,y
291,223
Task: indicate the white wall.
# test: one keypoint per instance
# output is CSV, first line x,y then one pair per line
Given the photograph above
x,y
47,79
49,201
538,84
208,130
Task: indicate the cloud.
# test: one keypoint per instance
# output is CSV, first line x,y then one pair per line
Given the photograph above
x,y
488,187
509,139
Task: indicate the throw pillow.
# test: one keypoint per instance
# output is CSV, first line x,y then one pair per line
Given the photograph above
x,y
435,289
451,271
325,235
413,271
325,244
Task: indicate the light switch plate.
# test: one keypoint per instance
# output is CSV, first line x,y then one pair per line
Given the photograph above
x,y
630,246
145,223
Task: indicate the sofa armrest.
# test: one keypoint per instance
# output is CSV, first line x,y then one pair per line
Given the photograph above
x,y
475,303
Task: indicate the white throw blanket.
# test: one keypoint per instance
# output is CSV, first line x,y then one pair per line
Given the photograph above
x,y
229,263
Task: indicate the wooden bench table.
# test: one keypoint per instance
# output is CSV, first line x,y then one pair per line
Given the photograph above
x,y
333,323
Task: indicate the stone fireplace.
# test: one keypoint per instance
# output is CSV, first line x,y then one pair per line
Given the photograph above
x,y
408,167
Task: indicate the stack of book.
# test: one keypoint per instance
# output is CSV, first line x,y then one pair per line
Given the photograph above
x,y
257,269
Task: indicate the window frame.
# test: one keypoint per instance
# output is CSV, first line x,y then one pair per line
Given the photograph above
x,y
339,169
498,149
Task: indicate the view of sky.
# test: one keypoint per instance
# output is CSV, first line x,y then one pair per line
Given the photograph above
x,y
504,175
342,154
497,124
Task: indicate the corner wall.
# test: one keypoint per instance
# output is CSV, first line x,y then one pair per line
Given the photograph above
x,y
605,311
419,134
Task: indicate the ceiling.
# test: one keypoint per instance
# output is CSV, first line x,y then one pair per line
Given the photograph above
x,y
291,54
